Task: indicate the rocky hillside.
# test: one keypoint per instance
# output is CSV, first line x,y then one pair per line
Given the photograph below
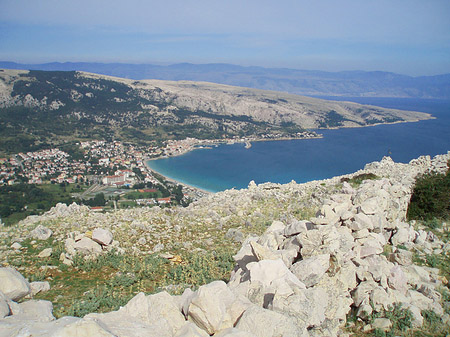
x,y
295,81
325,258
41,106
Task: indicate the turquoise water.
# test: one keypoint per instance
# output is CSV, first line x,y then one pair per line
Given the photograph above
x,y
338,152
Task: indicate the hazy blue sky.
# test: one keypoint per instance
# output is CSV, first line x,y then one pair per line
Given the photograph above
x,y
404,36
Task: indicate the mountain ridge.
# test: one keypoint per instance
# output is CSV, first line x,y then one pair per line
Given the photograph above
x,y
304,82
47,105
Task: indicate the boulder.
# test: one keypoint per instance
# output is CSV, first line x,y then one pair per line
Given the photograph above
x,y
310,270
235,235
266,323
267,272
155,309
41,233
397,279
4,307
233,332
306,306
102,236
71,326
191,330
87,246
32,310
47,252
214,307
39,286
13,284
295,228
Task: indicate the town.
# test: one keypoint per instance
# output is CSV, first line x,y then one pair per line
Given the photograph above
x,y
103,175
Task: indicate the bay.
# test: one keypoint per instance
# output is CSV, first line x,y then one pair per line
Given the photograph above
x,y
340,151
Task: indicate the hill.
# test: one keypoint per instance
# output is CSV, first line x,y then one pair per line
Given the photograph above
x,y
42,108
326,258
295,81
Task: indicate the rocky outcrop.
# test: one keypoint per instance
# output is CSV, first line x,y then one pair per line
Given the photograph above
x,y
301,277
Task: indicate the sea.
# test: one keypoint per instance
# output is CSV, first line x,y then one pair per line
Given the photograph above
x,y
340,151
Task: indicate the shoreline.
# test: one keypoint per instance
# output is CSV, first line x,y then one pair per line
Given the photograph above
x,y
247,142
187,188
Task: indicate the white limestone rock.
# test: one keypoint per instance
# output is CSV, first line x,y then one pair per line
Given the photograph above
x,y
295,228
102,236
47,252
39,286
306,306
310,270
269,271
215,307
4,307
87,246
16,246
191,330
32,310
266,323
13,284
233,332
41,233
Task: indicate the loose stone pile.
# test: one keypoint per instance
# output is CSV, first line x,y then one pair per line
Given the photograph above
x,y
299,278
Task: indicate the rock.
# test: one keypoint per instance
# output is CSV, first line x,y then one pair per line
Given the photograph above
x,y
185,301
276,227
47,252
235,235
37,287
102,236
41,233
400,237
4,307
310,271
295,228
233,332
269,271
306,306
191,330
397,279
417,319
369,206
155,309
384,324
13,284
87,246
361,221
16,246
33,310
266,323
79,328
402,257
214,307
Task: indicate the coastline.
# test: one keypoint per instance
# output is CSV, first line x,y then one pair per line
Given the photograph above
x,y
247,142
192,190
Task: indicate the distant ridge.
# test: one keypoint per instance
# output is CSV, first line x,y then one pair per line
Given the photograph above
x,y
302,82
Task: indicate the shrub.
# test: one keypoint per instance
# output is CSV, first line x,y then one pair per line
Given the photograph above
x,y
430,198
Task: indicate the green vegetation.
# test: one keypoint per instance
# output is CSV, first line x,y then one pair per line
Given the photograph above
x,y
21,200
431,198
93,108
111,280
332,119
358,179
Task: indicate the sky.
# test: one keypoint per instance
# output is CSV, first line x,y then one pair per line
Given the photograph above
x,y
410,37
